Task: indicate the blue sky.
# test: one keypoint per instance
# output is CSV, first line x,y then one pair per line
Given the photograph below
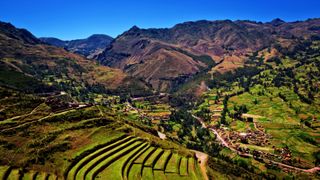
x,y
72,19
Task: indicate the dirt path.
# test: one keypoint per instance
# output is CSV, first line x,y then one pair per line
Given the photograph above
x,y
146,97
223,142
313,170
32,122
16,68
203,158
200,120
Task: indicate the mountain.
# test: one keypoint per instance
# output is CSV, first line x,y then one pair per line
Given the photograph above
x,y
88,47
59,108
30,66
7,29
171,56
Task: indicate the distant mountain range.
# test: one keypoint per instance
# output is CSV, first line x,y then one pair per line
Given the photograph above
x,y
167,58
88,47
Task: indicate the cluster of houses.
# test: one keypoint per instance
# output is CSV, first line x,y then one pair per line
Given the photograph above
x,y
256,137
143,115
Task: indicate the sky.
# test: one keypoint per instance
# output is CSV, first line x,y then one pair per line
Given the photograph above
x,y
74,19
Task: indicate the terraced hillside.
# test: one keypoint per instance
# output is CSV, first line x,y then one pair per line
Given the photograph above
x,y
9,173
52,140
128,157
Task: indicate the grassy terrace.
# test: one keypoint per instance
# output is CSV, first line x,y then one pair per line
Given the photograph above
x,y
8,173
147,173
141,159
95,161
115,170
183,166
29,175
129,162
191,167
112,159
3,171
52,177
85,143
122,157
153,158
159,175
14,174
87,159
163,160
173,164
135,171
41,176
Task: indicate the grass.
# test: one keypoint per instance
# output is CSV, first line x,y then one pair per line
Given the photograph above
x,y
129,162
4,171
153,158
135,172
191,166
84,170
74,170
183,169
172,166
115,170
159,175
41,176
176,177
163,160
52,177
143,157
14,174
94,150
147,173
29,175
107,162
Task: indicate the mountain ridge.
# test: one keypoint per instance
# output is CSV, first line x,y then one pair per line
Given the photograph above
x,y
88,47
29,65
229,42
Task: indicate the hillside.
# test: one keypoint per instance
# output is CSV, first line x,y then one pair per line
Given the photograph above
x,y
88,47
40,68
169,57
269,110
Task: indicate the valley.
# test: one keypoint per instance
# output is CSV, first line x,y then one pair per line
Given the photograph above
x,y
201,100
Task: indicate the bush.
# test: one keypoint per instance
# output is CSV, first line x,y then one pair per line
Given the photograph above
x,y
316,155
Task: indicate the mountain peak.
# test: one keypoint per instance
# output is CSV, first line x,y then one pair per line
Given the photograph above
x,y
134,29
277,22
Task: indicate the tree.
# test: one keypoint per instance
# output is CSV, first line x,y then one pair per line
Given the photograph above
x,y
224,111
